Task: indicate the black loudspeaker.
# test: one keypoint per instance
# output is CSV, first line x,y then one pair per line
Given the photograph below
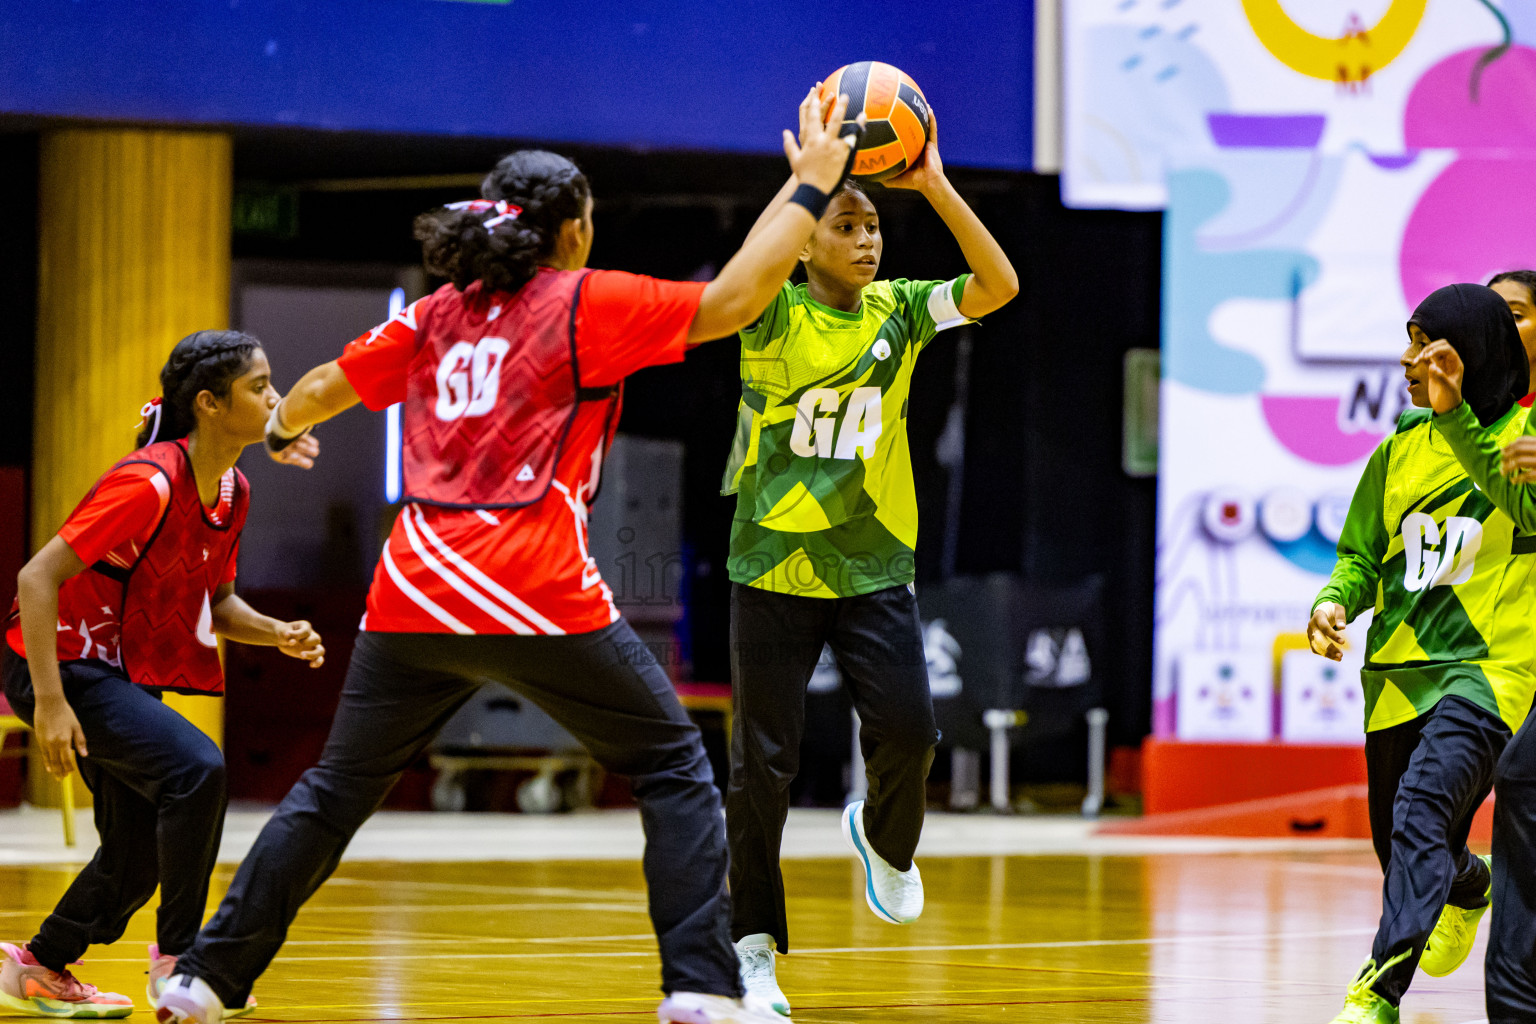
x,y
635,528
993,642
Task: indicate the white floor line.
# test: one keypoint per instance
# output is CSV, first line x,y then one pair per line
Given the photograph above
x,y
521,890
33,836
566,955
615,908
484,939
1075,943
950,948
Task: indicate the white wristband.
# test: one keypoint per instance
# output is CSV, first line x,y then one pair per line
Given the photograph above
x,y
275,425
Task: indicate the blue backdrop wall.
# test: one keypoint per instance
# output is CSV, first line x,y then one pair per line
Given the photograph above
x,y
663,73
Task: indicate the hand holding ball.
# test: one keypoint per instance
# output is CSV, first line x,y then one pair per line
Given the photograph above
x,y
898,120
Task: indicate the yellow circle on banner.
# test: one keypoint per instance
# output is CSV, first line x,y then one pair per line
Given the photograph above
x,y
1350,58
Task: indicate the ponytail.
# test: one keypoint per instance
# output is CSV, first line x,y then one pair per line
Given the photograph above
x,y
202,361
501,239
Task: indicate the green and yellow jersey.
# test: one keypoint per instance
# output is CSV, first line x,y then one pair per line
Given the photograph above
x,y
1429,545
825,505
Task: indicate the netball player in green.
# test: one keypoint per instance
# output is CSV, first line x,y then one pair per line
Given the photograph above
x,y
821,547
1440,546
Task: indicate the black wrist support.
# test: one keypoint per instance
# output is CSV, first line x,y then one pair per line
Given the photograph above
x,y
812,198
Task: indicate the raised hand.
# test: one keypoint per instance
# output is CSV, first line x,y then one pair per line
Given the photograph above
x,y
1445,371
819,156
928,171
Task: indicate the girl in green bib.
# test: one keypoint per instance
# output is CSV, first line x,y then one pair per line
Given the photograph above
x,y
1436,545
821,549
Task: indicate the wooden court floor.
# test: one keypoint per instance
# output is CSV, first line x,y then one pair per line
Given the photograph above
x,y
1191,938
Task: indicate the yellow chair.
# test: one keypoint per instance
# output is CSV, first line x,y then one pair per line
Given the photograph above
x,y
10,723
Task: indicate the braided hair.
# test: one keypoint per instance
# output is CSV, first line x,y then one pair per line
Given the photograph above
x,y
479,242
202,361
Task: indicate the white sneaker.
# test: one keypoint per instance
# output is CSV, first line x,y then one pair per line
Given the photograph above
x,y
184,999
162,967
894,896
757,974
697,1008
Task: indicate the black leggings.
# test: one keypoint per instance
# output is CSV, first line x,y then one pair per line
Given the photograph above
x,y
1510,971
1427,778
604,687
158,786
776,640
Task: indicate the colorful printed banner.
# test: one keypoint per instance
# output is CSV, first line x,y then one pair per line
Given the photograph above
x,y
1154,84
1322,172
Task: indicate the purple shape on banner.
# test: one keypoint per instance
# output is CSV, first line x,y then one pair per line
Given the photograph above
x,y
1309,428
1394,163
1267,131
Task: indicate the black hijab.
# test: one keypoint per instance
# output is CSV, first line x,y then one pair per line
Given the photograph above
x,y
1479,326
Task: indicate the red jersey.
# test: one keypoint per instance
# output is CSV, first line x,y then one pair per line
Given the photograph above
x,y
523,570
111,529
461,446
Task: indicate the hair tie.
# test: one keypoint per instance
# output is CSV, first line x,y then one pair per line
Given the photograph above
x,y
505,211
151,408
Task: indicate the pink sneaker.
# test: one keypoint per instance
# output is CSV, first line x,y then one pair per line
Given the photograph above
x,y
160,970
28,987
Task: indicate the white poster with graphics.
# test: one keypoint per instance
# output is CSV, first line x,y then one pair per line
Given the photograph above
x,y
1154,84
1323,168
1321,701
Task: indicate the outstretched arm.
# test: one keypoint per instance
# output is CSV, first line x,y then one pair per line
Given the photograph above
x,y
788,188
774,206
752,277
1474,445
993,280
319,395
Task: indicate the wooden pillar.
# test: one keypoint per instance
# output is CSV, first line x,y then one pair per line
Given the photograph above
x,y
134,254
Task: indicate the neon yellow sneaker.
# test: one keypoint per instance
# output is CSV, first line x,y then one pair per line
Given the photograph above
x,y
1451,941
1361,1005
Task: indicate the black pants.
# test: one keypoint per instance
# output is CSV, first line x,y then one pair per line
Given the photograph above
x,y
776,640
1510,974
604,687
158,786
1427,778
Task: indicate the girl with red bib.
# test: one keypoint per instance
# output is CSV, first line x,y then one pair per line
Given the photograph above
x,y
127,602
511,378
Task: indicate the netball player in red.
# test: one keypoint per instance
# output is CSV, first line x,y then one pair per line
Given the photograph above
x,y
124,604
511,378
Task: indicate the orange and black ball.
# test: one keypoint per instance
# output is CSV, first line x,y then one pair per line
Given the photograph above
x,y
897,125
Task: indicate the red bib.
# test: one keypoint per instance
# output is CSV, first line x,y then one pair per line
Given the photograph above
x,y
491,395
167,621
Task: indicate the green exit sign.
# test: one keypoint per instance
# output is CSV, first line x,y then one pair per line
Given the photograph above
x,y
270,213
